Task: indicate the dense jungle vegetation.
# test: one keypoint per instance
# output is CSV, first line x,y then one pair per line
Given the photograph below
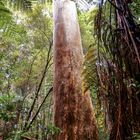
x,y
109,80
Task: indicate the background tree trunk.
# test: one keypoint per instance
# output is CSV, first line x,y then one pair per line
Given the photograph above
x,y
73,111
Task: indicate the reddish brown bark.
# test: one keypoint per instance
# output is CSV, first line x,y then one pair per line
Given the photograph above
x,y
73,111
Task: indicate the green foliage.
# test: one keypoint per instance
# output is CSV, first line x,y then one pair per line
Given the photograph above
x,y
86,28
5,17
24,50
4,11
135,9
53,130
89,69
22,5
8,104
136,136
40,26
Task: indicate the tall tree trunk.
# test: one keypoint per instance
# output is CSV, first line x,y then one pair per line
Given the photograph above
x,y
73,111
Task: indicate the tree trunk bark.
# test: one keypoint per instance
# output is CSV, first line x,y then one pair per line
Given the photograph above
x,y
73,110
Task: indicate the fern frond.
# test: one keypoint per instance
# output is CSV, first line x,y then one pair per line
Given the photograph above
x,y
89,70
5,16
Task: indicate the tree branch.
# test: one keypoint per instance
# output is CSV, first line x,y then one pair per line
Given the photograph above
x,y
28,127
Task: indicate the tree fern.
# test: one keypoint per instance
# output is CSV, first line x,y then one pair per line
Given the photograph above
x,y
119,66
